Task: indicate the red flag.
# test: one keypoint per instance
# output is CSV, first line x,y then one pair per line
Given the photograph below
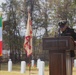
x,y
28,37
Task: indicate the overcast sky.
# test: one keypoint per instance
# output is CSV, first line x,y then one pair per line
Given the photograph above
x,y
1,3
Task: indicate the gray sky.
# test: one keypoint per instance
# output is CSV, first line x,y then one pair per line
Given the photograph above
x,y
1,1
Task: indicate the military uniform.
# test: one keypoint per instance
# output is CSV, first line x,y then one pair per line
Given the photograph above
x,y
68,32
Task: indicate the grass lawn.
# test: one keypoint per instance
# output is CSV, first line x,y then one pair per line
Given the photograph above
x,y
74,71
16,70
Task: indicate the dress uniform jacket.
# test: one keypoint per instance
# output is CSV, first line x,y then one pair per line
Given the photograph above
x,y
69,32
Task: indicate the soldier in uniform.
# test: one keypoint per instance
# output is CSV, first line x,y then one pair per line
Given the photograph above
x,y
65,30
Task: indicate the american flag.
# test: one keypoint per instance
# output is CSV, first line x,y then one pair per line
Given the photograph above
x,y
28,36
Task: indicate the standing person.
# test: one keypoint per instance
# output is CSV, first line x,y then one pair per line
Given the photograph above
x,y
65,30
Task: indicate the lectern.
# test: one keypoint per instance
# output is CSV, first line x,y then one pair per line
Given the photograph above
x,y
59,54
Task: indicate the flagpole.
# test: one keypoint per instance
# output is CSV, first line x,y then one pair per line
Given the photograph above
x,y
0,38
31,4
28,36
29,66
0,62
30,9
28,39
31,43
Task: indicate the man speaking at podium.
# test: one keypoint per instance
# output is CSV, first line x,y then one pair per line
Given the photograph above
x,y
65,30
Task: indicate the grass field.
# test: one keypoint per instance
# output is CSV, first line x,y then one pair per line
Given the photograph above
x,y
16,70
18,73
74,71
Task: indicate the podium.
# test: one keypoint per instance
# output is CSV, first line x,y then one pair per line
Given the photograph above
x,y
60,61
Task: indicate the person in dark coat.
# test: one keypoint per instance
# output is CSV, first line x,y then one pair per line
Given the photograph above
x,y
65,30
